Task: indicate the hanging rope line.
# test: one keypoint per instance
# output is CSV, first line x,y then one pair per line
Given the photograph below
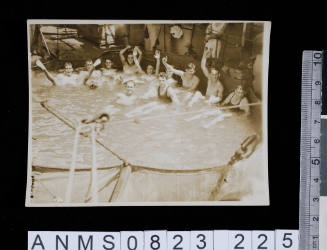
x,y
71,125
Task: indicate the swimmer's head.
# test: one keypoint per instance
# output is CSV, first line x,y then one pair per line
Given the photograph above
x,y
68,69
88,64
130,85
240,90
108,63
214,73
190,69
130,58
149,69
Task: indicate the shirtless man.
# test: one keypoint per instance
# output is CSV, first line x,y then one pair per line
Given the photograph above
x,y
237,97
129,66
214,88
109,74
189,80
108,69
66,78
127,98
94,79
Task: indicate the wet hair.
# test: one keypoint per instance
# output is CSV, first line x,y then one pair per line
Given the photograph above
x,y
68,64
88,60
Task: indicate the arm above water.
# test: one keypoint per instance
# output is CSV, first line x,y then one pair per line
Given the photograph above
x,y
171,68
50,77
137,63
121,54
204,61
139,59
157,56
87,77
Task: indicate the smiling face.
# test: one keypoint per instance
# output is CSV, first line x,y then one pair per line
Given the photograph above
x,y
68,69
108,64
130,59
149,69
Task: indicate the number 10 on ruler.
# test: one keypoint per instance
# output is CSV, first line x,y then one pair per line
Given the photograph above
x,y
165,240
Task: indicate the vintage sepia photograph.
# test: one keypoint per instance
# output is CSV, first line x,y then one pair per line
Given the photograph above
x,y
147,113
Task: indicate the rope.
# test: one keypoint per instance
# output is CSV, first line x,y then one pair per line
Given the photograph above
x,y
136,168
71,125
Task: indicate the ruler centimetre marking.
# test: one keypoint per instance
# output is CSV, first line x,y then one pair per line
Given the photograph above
x,y
310,150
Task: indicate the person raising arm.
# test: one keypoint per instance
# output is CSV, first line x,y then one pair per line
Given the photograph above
x,y
121,54
50,77
214,87
189,80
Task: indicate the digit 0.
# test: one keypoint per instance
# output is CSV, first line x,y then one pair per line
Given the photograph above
x,y
317,55
129,242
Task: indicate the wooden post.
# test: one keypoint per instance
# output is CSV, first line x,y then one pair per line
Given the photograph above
x,y
121,183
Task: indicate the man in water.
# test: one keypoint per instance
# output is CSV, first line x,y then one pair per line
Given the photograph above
x,y
238,98
214,88
109,73
189,80
127,98
66,78
94,79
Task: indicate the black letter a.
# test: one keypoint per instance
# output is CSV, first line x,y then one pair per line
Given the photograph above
x,y
38,242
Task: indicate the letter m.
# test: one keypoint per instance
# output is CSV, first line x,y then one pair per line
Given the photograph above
x,y
81,243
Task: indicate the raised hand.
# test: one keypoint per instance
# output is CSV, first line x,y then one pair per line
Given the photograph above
x,y
97,62
135,52
157,54
40,65
128,46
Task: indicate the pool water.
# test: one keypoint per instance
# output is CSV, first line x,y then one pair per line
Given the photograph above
x,y
164,138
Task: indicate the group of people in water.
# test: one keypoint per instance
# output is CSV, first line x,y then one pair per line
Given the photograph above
x,y
160,84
